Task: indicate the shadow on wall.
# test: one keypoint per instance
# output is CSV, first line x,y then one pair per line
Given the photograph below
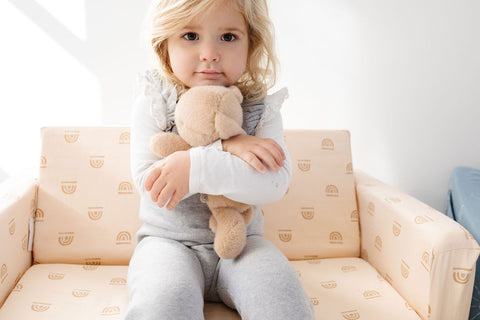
x,y
111,32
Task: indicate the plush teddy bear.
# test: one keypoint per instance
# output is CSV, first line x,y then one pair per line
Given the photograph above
x,y
203,115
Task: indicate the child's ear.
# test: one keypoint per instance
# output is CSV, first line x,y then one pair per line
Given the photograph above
x,y
237,93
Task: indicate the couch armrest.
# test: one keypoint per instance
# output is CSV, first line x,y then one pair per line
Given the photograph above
x,y
427,257
17,211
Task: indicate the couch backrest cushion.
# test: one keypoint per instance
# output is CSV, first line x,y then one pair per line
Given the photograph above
x,y
88,207
318,217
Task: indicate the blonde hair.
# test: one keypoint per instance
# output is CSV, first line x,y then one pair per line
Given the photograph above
x,y
168,16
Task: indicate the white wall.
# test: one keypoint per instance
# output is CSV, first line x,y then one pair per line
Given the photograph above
x,y
62,62
402,76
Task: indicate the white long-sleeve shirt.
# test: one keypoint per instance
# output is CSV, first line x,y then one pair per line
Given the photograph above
x,y
212,171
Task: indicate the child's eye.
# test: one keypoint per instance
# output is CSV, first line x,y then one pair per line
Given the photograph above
x,y
190,36
228,37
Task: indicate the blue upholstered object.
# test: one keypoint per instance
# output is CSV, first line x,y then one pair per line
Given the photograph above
x,y
463,206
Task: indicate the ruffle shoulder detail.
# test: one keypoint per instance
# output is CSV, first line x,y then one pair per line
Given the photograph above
x,y
273,103
164,97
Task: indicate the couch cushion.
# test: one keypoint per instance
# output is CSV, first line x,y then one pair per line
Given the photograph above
x,y
351,289
88,208
318,217
61,291
87,205
341,288
78,292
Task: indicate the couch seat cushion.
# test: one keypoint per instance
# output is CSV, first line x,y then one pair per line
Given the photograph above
x,y
63,291
79,292
340,288
350,288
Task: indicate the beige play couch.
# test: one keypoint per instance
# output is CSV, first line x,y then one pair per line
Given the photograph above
x,y
363,250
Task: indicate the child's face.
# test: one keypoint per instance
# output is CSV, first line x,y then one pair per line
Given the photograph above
x,y
212,49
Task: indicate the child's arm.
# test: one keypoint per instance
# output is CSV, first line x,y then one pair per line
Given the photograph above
x,y
260,153
169,179
213,171
153,176
142,159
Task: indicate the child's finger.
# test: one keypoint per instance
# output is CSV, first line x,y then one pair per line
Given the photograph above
x,y
156,189
164,196
152,177
272,163
267,157
278,155
253,161
276,151
174,200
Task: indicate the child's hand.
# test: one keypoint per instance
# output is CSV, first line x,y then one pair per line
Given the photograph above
x,y
170,179
256,151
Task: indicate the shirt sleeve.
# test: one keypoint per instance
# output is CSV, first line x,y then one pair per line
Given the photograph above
x,y
144,126
216,172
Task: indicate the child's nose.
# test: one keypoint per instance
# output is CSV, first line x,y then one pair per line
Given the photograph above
x,y
209,52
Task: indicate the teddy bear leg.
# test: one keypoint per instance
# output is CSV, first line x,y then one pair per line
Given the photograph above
x,y
231,233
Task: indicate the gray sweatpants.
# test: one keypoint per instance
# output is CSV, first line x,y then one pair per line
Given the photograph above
x,y
170,280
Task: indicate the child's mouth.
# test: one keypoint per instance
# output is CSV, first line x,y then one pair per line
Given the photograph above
x,y
209,74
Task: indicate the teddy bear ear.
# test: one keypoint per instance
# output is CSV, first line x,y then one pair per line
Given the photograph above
x,y
237,93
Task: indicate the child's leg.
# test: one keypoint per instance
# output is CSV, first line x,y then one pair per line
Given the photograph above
x,y
262,284
165,281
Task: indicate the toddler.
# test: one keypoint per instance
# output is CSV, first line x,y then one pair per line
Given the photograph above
x,y
174,268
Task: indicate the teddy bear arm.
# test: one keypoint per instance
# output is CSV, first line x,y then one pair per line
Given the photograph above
x,y
226,126
164,144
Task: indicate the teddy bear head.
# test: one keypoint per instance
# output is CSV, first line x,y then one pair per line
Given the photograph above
x,y
205,114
